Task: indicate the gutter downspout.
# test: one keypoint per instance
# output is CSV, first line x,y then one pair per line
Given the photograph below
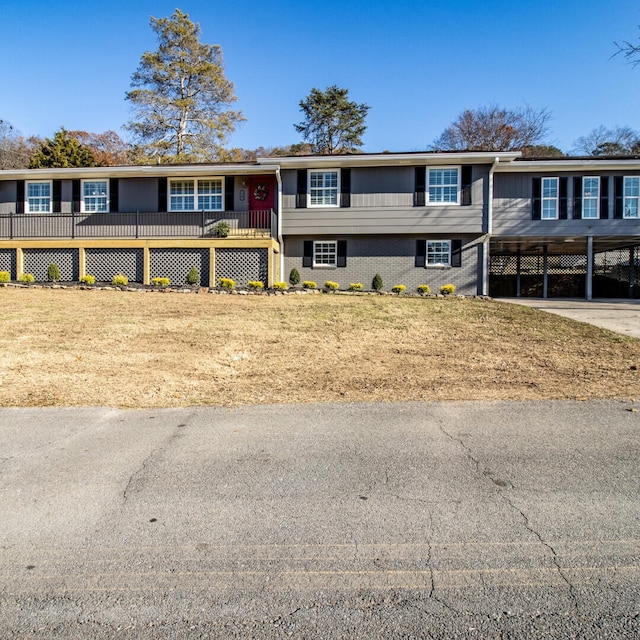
x,y
279,222
487,237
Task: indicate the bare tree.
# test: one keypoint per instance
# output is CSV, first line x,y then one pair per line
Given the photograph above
x,y
603,141
495,129
15,150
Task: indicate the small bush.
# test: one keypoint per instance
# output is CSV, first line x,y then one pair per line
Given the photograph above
x,y
280,286
88,279
120,280
398,288
255,285
193,277
309,284
423,289
222,229
227,284
329,285
5,276
355,286
53,272
294,277
377,282
447,289
160,282
26,277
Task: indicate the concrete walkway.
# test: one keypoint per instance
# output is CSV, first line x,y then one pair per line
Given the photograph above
x,y
619,315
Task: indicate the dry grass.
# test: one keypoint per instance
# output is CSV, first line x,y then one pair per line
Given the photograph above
x,y
125,349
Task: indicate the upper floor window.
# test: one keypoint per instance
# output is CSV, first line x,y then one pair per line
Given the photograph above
x,y
38,197
95,196
443,185
549,198
631,196
591,197
438,253
195,195
324,187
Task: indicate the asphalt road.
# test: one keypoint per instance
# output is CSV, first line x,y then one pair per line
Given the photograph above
x,y
468,520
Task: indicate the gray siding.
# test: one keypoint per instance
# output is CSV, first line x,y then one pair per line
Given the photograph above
x,y
7,196
138,194
393,257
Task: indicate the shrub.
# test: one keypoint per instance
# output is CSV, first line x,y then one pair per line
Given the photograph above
x,y
423,289
329,285
53,272
377,282
447,289
193,277
294,277
160,282
355,286
280,286
227,283
88,279
222,229
26,277
120,280
309,284
398,288
5,276
255,285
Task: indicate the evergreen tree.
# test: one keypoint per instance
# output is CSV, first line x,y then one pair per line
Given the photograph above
x,y
61,152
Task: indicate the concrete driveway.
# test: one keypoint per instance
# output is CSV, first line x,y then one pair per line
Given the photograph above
x,y
619,315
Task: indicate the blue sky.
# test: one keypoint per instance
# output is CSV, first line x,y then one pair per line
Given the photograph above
x,y
418,64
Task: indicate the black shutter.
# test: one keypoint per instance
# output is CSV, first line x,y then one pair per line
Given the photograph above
x,y
229,186
562,205
604,197
307,256
162,194
456,253
75,195
419,196
421,253
114,195
536,199
301,192
465,184
56,196
345,188
342,253
577,198
618,196
19,196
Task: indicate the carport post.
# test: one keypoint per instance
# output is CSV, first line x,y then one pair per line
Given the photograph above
x,y
518,269
545,283
589,282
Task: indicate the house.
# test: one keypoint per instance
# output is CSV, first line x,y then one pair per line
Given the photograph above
x,y
488,222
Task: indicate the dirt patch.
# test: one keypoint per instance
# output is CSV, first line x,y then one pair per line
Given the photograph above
x,y
128,349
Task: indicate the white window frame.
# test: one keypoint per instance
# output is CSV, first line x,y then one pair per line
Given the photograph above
x,y
313,172
84,199
588,196
442,186
439,252
198,198
318,248
27,198
632,198
555,199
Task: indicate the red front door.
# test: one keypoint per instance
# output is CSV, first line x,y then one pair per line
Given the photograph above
x,y
262,199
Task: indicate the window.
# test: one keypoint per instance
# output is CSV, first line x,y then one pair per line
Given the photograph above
x,y
323,188
38,197
196,195
325,254
590,197
631,195
438,253
549,198
443,185
95,196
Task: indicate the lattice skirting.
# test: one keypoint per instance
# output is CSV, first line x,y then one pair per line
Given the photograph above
x,y
8,262
37,261
103,264
242,265
176,263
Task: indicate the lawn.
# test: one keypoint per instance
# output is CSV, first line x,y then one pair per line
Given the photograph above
x,y
68,347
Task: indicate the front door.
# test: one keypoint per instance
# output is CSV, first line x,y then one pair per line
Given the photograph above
x,y
262,200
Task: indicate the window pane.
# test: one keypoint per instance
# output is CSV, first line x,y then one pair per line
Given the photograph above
x,y
38,197
438,252
325,253
95,196
210,195
443,185
323,188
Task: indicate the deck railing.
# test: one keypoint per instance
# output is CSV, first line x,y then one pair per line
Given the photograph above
x,y
197,224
